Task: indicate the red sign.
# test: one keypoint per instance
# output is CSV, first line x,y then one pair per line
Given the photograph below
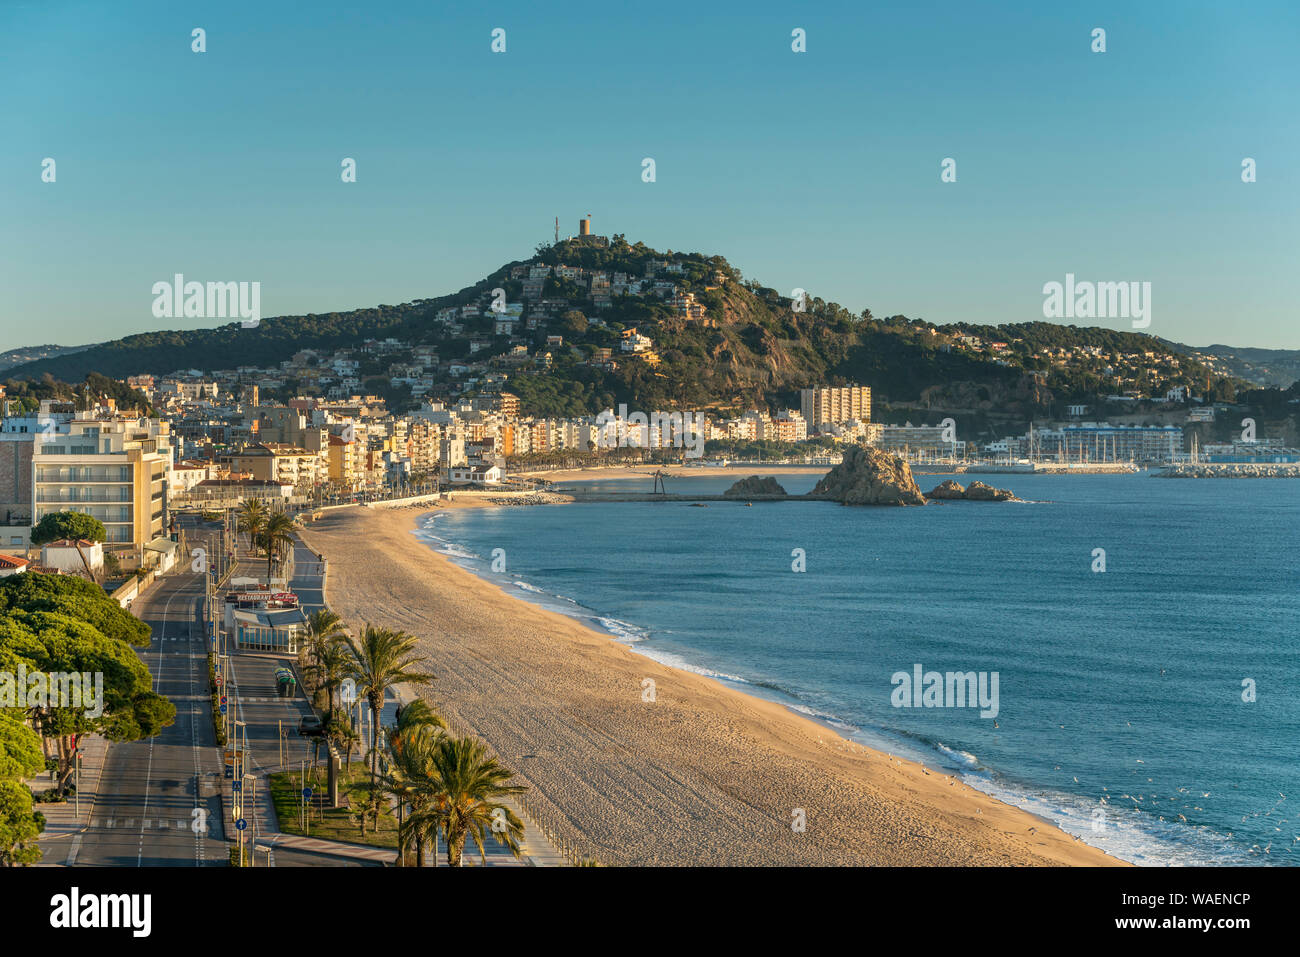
x,y
283,596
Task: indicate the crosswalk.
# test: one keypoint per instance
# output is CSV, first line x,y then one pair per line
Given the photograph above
x,y
148,824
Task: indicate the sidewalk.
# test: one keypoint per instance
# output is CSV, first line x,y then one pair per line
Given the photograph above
x,y
64,822
253,688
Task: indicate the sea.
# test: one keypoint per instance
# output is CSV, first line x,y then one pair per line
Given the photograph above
x,y
1142,632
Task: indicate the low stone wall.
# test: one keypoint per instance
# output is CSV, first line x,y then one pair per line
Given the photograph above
x,y
130,590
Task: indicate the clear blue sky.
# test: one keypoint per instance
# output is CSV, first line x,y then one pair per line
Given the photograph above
x,y
818,170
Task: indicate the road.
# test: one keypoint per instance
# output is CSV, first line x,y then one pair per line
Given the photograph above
x,y
157,801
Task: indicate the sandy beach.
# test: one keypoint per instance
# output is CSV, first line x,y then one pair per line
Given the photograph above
x,y
702,774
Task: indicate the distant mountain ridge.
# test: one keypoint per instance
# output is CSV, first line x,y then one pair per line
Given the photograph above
x,y
27,354
1267,368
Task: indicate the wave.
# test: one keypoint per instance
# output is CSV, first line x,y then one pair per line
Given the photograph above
x,y
623,630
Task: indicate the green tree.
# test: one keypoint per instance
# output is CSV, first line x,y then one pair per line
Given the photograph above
x,y
323,626
252,518
70,525
574,322
77,598
124,708
333,666
410,742
277,531
20,746
467,783
382,658
19,826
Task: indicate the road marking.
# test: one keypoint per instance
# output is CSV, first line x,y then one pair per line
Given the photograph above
x,y
72,851
148,775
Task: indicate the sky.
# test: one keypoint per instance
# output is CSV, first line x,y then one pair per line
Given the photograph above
x,y
817,170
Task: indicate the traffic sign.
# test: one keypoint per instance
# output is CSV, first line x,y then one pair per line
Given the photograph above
x,y
223,709
240,824
306,793
237,787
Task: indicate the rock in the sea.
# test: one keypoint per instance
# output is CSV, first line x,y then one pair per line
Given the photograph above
x,y
979,492
947,490
869,476
754,487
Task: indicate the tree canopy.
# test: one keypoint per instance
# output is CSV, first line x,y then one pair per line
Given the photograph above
x,y
73,525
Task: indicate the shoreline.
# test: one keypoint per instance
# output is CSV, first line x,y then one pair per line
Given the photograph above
x,y
705,774
611,472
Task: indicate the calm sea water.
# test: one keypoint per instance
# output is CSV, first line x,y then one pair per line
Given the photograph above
x,y
1121,713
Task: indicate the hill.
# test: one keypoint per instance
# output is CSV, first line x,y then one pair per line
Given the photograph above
x,y
717,341
1266,368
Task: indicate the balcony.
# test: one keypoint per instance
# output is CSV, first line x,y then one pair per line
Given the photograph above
x,y
76,496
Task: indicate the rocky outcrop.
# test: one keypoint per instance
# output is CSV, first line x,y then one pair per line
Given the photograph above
x,y
946,490
979,492
869,476
975,492
755,487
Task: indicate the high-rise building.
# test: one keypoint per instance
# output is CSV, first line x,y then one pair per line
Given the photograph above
x,y
835,404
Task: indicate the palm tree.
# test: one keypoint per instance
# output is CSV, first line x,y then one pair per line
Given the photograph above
x,y
332,664
409,779
323,627
382,658
409,742
347,739
277,531
467,782
252,518
412,718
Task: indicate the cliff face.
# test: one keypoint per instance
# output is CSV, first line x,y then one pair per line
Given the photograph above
x,y
869,476
755,487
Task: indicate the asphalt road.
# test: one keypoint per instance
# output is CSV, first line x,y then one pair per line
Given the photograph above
x,y
157,803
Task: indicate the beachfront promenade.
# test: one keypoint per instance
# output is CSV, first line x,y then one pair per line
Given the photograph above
x,y
138,801
274,744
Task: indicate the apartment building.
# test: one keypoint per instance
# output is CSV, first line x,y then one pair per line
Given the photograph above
x,y
346,467
285,464
835,404
1093,441
109,466
19,435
